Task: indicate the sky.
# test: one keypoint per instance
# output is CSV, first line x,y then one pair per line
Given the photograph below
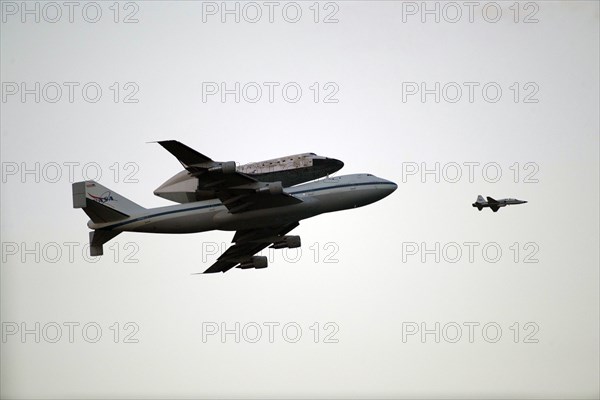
x,y
419,295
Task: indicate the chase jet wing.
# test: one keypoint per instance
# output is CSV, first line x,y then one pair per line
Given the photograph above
x,y
247,243
237,191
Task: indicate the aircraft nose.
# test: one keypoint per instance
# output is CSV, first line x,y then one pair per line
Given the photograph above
x,y
388,186
391,184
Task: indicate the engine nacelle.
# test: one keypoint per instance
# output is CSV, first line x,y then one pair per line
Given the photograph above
x,y
227,167
255,262
290,242
271,188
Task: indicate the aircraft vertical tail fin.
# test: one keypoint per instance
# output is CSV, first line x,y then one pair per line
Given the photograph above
x,y
480,199
102,204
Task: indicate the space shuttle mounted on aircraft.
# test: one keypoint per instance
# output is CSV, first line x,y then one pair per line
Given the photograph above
x,y
290,170
261,202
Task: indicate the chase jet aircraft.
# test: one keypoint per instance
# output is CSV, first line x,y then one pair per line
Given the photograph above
x,y
495,204
261,213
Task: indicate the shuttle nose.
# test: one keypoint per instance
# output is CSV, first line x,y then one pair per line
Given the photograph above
x,y
329,165
335,163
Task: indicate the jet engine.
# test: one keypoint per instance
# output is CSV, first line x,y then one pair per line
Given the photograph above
x,y
255,262
227,167
271,188
290,242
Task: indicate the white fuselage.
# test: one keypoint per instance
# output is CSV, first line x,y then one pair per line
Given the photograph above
x,y
328,195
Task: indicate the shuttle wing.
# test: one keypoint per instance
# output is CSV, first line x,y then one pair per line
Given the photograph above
x,y
247,244
237,191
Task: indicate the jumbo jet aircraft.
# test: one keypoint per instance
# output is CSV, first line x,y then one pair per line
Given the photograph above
x,y
261,213
495,204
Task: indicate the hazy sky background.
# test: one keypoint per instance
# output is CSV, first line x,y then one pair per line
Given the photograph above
x,y
376,290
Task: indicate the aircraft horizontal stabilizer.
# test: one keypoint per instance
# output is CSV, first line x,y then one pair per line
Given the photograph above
x,y
98,238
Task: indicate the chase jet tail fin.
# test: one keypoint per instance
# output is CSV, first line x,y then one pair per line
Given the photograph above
x,y
480,199
102,204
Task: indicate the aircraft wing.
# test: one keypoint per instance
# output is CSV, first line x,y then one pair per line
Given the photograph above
x,y
492,201
247,244
237,191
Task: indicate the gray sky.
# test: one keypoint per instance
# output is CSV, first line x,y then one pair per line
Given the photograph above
x,y
366,280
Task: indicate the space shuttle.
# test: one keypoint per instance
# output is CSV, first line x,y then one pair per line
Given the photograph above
x,y
292,170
